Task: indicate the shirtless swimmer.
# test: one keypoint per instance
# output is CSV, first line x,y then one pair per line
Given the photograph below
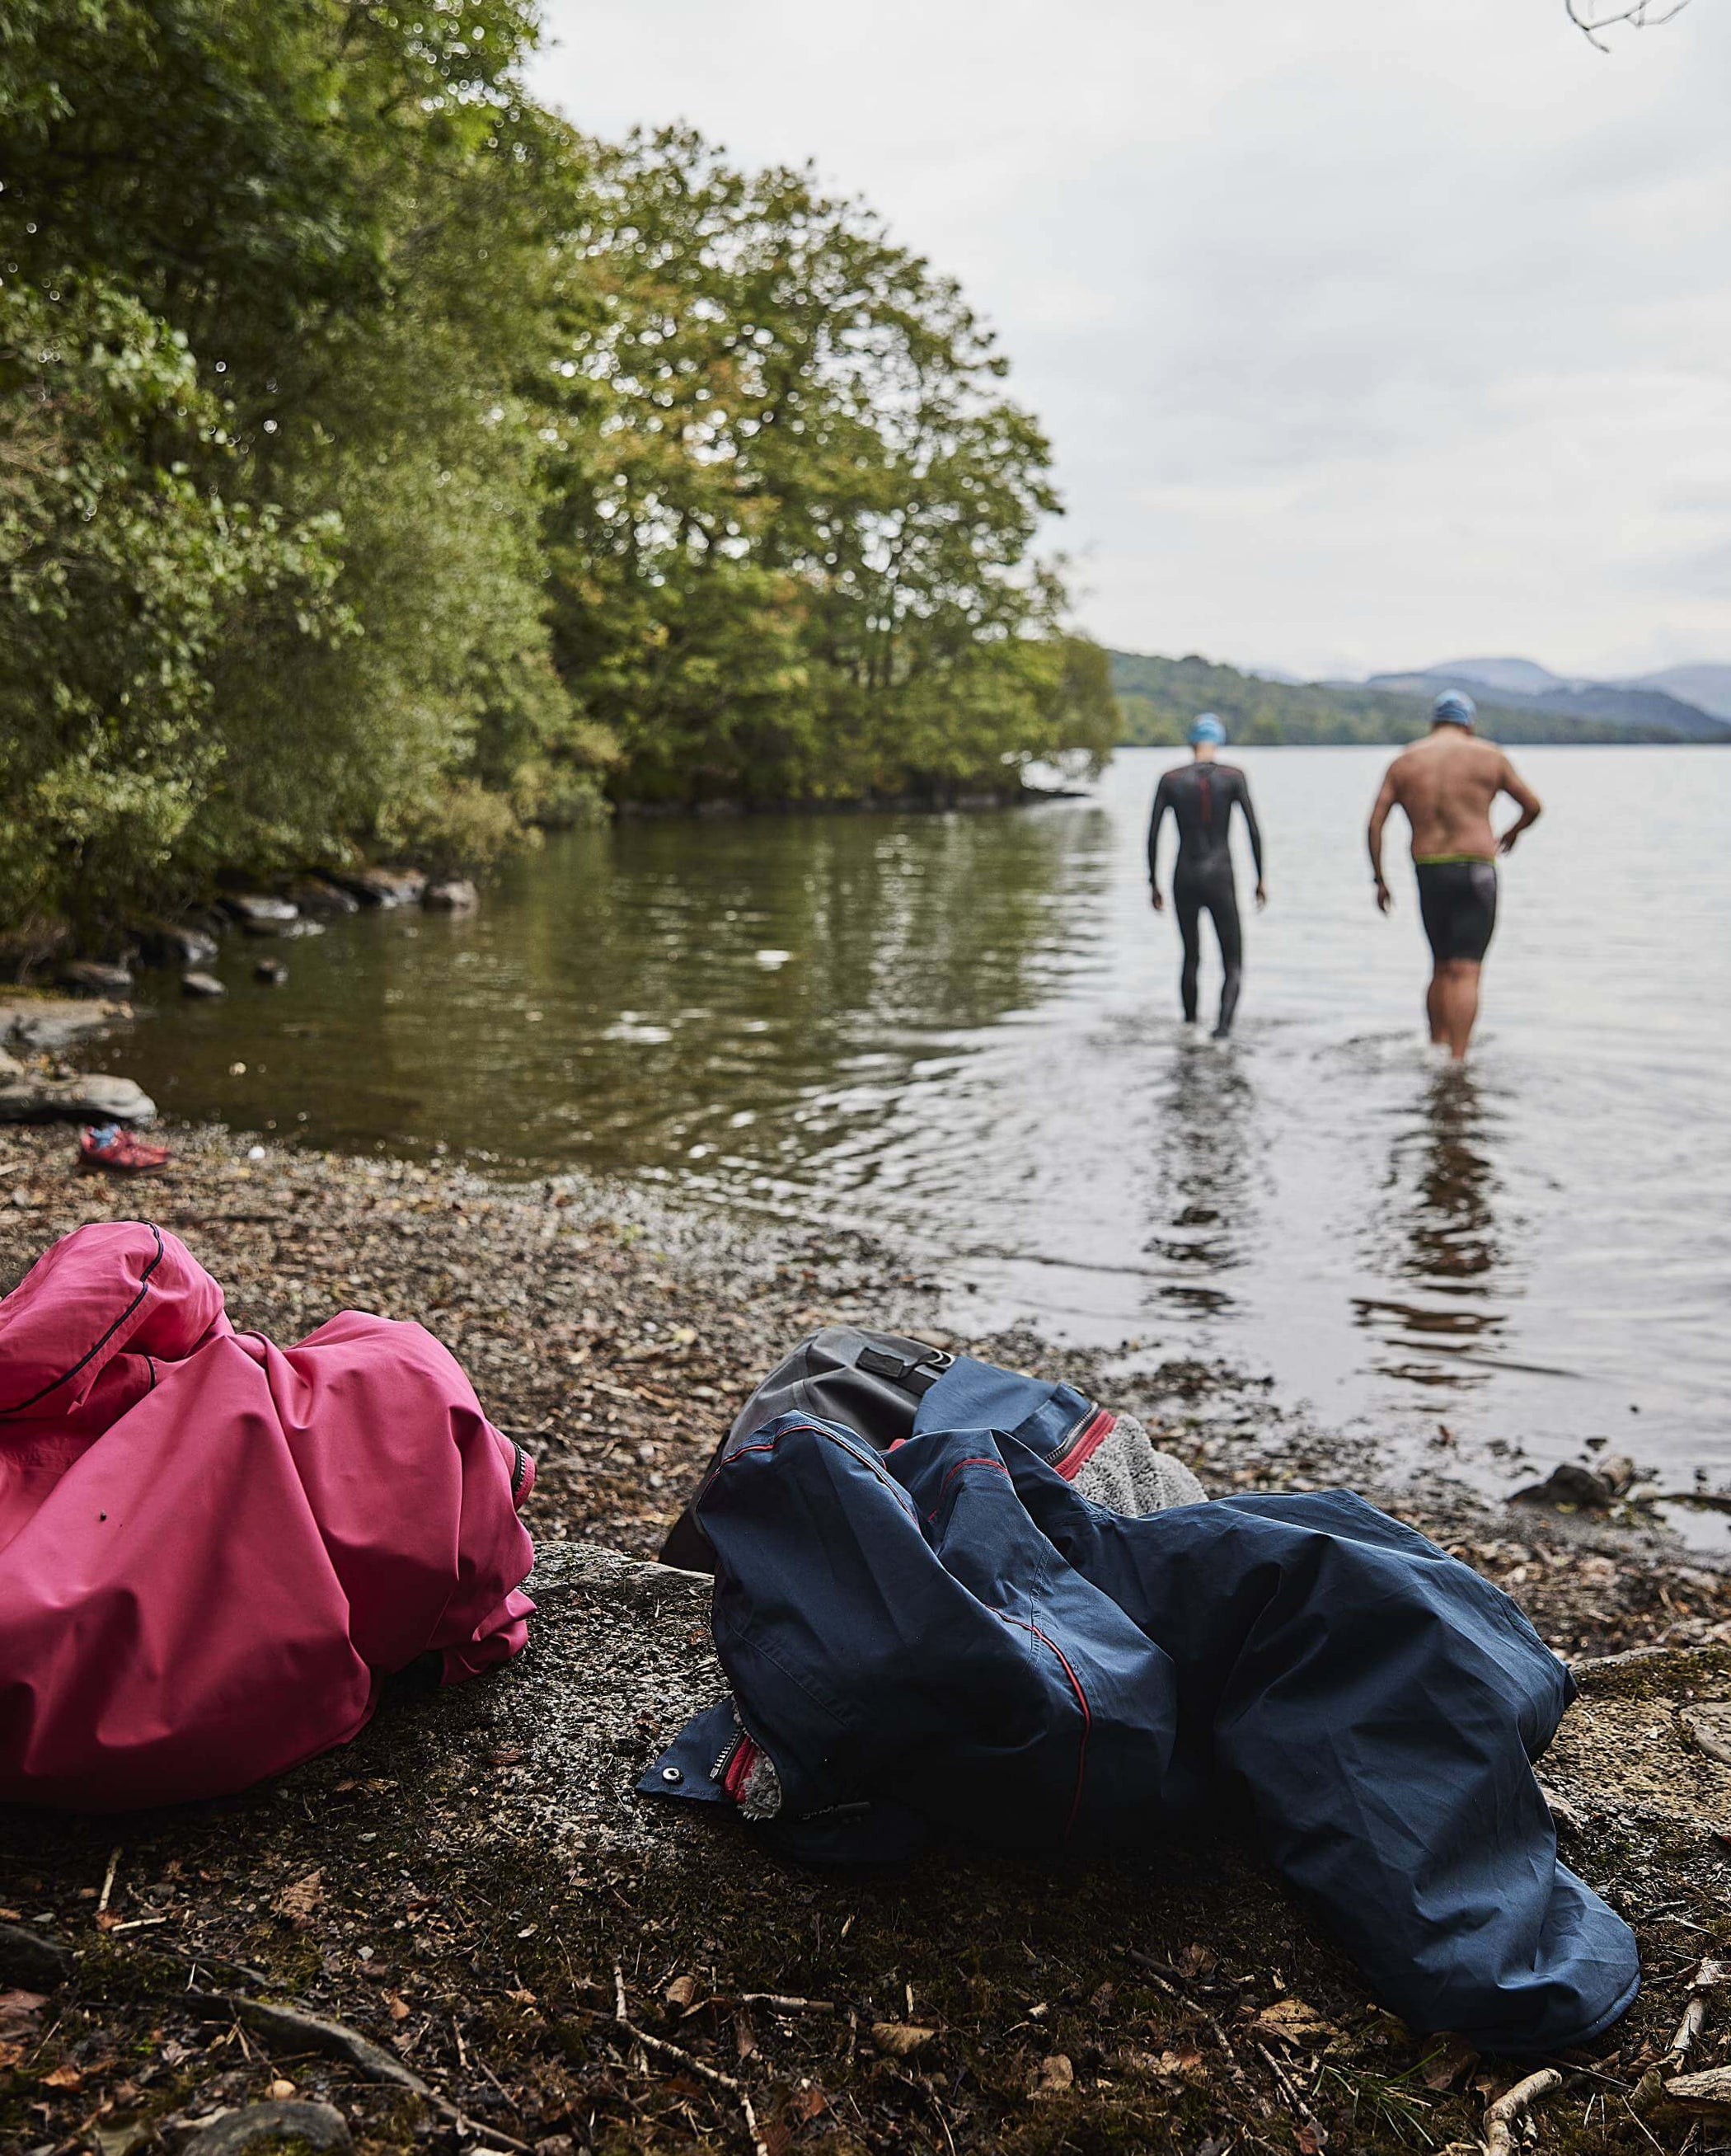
x,y
1448,783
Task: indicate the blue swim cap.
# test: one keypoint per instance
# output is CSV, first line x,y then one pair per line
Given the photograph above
x,y
1453,709
1207,728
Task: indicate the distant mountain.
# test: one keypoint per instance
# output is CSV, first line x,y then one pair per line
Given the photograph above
x,y
1158,698
1519,677
1638,714
1709,688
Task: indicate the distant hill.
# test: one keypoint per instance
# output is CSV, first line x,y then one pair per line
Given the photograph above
x,y
1524,677
1158,698
1642,713
1709,688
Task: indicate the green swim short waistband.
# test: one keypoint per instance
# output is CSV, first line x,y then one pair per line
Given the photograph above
x,y
1448,860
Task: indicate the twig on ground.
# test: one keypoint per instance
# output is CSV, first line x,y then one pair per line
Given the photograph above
x,y
113,1865
781,2003
1289,2090
1513,2104
693,2065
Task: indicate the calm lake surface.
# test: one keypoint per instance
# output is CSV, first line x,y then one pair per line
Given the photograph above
x,y
961,1032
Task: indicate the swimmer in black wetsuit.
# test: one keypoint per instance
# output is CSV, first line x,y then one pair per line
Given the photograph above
x,y
1202,796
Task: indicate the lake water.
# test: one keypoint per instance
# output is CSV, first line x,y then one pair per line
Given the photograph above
x,y
962,1032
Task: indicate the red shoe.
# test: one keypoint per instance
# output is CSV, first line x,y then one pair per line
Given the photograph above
x,y
107,1146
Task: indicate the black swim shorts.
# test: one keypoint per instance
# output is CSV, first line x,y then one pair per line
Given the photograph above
x,y
1458,902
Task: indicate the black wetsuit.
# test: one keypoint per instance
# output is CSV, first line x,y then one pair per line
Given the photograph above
x,y
1457,903
1202,797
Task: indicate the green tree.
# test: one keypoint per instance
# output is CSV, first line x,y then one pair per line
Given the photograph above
x,y
792,510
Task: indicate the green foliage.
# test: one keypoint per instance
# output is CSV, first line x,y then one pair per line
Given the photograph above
x,y
793,512
121,574
1159,697
382,466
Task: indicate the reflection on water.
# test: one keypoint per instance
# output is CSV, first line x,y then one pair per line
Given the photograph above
x,y
1438,1228
961,1032
1202,1201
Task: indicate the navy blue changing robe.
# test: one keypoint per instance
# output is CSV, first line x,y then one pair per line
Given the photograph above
x,y
949,1635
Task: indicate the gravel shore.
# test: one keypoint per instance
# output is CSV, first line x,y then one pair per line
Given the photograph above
x,y
614,1337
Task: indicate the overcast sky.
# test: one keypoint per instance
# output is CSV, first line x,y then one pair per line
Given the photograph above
x,y
1368,335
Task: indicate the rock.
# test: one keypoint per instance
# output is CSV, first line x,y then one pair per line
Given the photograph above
x,y
382,886
451,895
50,1022
91,1099
296,927
28,1958
319,894
269,2126
202,985
1571,1483
253,909
85,977
173,943
271,971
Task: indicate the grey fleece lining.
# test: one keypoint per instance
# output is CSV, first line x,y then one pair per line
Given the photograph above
x,y
1125,1474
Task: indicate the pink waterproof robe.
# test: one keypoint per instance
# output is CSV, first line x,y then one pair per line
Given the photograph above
x,y
213,1549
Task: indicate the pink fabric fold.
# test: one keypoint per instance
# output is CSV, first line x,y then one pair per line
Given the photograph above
x,y
211,1547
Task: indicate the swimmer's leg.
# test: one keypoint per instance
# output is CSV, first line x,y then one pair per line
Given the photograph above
x,y
1223,910
1435,1001
1454,1001
1188,909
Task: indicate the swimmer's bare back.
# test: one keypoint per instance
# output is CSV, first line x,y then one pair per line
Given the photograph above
x,y
1446,783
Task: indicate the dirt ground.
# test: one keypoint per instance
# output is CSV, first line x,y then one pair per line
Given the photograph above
x,y
1184,2006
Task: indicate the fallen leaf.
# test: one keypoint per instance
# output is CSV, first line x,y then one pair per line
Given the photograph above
x,y
1453,2057
18,2010
504,1755
807,2101
1056,2075
1308,2141
1197,1960
280,2089
899,2040
681,1994
10,2054
1101,2002
397,2007
64,2078
298,1901
522,1998
1292,2022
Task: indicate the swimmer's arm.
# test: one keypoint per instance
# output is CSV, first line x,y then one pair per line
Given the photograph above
x,y
1525,799
1256,839
1379,817
1162,801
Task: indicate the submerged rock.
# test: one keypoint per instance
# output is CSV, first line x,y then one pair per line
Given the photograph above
x,y
92,1099
85,977
383,886
202,985
271,971
173,943
255,909
451,895
315,894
